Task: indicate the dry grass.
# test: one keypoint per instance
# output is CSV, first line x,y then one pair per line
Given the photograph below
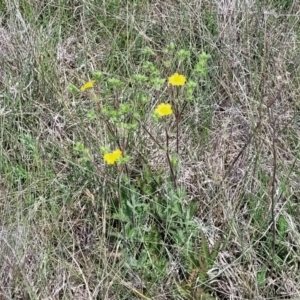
x,y
239,146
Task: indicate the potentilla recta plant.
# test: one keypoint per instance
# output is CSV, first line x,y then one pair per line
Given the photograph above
x,y
141,114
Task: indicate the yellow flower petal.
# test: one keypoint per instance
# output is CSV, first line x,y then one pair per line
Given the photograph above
x,y
163,109
177,80
88,85
109,158
117,154
112,157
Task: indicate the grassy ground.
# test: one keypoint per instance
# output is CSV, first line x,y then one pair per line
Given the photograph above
x,y
203,204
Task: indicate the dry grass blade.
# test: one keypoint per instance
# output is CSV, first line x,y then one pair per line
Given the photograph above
x,y
202,201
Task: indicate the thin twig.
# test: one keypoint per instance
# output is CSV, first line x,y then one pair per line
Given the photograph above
x,y
273,190
169,161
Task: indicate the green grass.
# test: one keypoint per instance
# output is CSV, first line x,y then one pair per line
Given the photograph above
x,y
203,204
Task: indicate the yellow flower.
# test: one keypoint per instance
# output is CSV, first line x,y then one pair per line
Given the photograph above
x,y
177,79
87,85
163,109
111,158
